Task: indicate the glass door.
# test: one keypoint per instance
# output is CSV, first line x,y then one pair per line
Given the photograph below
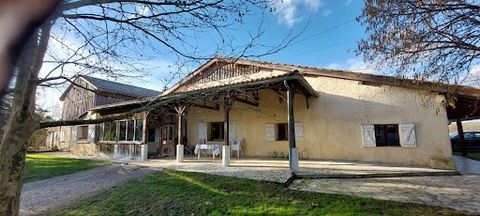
x,y
168,140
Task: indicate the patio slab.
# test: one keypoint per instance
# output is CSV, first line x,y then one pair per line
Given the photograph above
x,y
457,192
277,170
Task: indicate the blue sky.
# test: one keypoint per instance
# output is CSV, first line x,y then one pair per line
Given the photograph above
x,y
328,41
330,37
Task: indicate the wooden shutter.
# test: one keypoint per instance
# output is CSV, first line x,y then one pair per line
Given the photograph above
x,y
368,135
231,131
407,135
202,131
299,131
270,132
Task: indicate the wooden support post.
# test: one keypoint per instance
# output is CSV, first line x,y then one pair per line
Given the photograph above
x,y
292,153
180,147
227,105
462,138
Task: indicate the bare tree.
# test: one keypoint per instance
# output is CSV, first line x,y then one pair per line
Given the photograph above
x,y
110,38
434,39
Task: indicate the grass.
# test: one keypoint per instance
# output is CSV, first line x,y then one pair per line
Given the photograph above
x,y
474,156
183,193
41,166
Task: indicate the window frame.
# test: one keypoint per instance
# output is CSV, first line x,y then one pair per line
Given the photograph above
x,y
80,132
128,138
151,133
221,131
285,131
385,136
102,131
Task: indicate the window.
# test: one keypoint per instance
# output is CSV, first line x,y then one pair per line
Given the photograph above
x,y
82,132
216,131
139,130
282,132
131,130
386,135
151,135
109,131
123,130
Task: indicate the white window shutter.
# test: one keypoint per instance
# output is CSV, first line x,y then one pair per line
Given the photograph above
x,y
202,131
368,135
231,131
407,135
299,134
270,132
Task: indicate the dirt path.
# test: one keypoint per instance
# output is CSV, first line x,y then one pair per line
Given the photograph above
x,y
45,195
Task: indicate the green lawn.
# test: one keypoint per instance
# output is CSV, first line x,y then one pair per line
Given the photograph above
x,y
183,193
474,156
42,166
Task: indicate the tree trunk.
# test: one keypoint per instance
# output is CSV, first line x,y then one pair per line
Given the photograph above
x,y
22,121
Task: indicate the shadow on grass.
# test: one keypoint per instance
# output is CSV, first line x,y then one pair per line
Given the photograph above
x,y
183,193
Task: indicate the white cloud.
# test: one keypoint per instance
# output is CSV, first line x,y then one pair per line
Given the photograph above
x,y
353,64
473,77
326,12
288,12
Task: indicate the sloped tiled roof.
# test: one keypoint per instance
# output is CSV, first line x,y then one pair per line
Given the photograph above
x,y
120,88
116,87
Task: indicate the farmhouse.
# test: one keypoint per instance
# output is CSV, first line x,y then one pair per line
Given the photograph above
x,y
87,92
262,109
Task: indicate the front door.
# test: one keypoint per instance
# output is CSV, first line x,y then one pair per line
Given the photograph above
x,y
168,140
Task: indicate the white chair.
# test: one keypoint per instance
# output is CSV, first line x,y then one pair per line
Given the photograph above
x,y
236,145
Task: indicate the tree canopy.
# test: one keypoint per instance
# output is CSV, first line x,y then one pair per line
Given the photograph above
x,y
434,40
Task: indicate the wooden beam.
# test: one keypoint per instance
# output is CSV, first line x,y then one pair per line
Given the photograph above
x,y
216,108
245,101
461,136
227,105
180,110
307,102
293,155
280,94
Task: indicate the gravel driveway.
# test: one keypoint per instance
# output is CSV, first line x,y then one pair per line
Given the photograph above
x,y
45,195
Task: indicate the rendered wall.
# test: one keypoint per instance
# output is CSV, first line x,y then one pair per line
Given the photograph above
x,y
332,124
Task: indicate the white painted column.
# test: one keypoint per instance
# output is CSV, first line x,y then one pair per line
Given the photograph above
x,y
226,156
144,152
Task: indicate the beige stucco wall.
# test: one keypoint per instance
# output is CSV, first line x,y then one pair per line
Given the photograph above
x,y
332,124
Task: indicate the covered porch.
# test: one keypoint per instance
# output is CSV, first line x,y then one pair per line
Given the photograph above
x,y
179,122
209,123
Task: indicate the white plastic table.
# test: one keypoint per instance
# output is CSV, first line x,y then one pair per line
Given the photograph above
x,y
215,148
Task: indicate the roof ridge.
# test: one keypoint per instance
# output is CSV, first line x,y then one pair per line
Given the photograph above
x,y
121,83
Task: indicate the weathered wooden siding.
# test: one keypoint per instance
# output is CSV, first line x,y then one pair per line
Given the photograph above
x,y
104,98
78,100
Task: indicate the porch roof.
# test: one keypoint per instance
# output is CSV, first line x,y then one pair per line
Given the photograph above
x,y
295,79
